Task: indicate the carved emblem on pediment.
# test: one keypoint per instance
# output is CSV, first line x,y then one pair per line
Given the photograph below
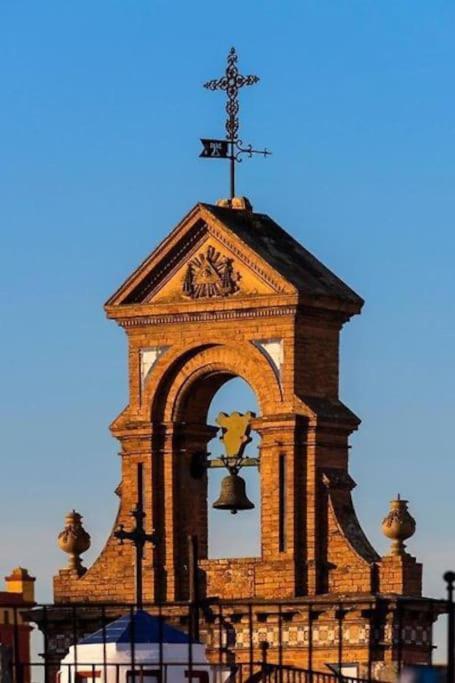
x,y
209,275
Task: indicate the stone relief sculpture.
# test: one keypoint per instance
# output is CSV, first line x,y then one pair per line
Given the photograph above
x,y
210,275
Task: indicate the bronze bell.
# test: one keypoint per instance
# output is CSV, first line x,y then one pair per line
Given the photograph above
x,y
233,495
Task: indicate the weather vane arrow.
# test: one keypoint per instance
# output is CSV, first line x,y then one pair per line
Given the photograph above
x,y
231,147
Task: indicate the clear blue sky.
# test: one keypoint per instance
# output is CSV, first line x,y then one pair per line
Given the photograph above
x,y
102,108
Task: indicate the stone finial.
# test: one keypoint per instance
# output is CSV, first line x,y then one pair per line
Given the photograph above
x,y
74,540
399,525
241,203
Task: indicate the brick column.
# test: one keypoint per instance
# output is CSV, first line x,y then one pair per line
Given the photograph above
x,y
400,574
137,449
183,493
282,506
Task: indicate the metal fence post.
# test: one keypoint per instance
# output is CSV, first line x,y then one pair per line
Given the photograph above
x,y
5,664
449,578
264,647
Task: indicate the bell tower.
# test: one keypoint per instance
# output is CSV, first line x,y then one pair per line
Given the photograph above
x,y
229,293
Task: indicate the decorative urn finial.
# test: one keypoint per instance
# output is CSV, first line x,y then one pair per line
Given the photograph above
x,y
399,525
74,540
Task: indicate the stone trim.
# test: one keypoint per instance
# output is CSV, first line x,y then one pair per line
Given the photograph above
x,y
206,315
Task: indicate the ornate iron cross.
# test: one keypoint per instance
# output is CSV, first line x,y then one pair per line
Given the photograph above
x,y
137,535
231,83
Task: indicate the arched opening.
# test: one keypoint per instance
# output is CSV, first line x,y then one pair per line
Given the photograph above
x,y
234,535
191,385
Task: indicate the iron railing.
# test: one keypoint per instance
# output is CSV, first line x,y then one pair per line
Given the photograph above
x,y
164,673
237,638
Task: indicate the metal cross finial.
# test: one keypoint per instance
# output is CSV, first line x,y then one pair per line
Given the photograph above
x,y
231,82
137,535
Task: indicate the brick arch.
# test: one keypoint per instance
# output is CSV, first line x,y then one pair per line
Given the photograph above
x,y
187,379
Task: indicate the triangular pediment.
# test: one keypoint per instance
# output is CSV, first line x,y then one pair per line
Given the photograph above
x,y
212,271
218,253
200,260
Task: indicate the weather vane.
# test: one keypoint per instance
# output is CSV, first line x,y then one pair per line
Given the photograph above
x,y
232,147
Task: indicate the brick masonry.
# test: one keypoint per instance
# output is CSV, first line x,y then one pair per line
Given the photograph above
x,y
181,349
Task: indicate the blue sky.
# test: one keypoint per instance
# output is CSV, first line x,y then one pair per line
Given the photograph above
x,y
102,110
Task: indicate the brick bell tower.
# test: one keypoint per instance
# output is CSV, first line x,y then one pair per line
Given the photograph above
x,y
230,294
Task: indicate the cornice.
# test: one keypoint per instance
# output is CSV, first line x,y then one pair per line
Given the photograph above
x,y
205,316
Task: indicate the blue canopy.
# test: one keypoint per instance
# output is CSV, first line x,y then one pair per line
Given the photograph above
x,y
139,627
